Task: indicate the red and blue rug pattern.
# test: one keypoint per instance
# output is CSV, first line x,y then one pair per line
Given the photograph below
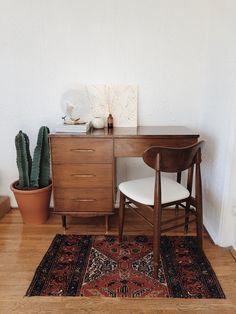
x,y
87,266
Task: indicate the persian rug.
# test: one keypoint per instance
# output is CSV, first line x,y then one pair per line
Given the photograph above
x,y
77,265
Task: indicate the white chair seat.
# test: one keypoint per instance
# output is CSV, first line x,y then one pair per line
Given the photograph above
x,y
142,190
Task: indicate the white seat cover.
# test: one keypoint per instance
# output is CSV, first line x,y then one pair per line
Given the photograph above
x,y
142,190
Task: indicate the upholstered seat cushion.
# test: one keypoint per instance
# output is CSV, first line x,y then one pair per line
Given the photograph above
x,y
142,190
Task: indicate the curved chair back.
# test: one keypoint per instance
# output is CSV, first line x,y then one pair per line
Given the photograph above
x,y
172,159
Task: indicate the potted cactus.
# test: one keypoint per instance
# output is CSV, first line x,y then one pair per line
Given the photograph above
x,y
33,189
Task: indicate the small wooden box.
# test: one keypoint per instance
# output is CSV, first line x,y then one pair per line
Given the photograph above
x,y
4,205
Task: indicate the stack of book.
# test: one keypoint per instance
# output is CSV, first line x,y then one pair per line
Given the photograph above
x,y
74,128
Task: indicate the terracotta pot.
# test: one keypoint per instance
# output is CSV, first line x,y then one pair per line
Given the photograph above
x,y
33,204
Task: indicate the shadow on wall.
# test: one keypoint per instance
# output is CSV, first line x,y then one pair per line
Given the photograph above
x,y
213,179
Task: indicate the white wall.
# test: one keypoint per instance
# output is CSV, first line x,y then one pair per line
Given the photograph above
x,y
217,121
227,227
167,47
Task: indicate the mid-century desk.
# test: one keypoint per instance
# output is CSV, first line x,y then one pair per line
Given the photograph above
x,y
83,165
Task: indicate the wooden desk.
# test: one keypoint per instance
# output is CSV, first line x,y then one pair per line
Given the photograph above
x,y
83,165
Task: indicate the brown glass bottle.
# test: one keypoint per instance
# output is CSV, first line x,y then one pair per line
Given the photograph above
x,y
110,121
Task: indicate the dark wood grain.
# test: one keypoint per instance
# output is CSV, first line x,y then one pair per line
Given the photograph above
x,y
81,150
82,175
84,163
173,160
79,200
140,131
134,147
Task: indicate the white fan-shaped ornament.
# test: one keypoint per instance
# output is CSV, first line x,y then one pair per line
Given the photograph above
x,y
75,106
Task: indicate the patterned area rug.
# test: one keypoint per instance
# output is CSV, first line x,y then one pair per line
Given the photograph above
x,y
101,266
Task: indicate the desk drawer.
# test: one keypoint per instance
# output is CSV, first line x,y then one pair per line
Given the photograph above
x,y
127,147
83,200
82,175
81,150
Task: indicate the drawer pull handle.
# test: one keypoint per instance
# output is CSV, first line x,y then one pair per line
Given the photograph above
x,y
84,200
80,150
83,175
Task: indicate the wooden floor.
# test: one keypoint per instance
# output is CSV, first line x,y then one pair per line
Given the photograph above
x,y
23,246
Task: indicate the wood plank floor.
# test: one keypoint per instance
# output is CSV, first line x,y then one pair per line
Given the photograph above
x,y
23,246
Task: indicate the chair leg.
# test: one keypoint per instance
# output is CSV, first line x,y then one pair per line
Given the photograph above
x,y
121,215
179,181
156,240
199,206
199,226
188,203
186,216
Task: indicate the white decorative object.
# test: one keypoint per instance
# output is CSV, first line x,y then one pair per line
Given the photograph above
x,y
98,122
76,106
119,100
72,116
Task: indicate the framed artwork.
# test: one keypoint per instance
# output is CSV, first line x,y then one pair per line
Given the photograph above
x,y
119,100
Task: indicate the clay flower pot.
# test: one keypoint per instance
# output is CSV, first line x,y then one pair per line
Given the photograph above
x,y
33,204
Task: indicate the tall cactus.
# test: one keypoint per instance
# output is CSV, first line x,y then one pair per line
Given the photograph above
x,y
44,175
24,160
40,174
33,174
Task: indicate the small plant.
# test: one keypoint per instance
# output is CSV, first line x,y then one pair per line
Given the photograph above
x,y
33,174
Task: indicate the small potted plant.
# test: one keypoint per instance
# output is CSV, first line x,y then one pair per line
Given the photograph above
x,y
33,189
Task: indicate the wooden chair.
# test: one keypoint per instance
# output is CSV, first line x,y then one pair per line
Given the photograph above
x,y
157,192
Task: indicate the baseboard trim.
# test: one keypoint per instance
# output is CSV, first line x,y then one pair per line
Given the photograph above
x,y
210,230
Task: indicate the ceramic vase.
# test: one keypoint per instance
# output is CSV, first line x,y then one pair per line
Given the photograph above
x,y
98,122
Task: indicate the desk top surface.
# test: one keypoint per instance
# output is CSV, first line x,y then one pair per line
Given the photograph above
x,y
140,131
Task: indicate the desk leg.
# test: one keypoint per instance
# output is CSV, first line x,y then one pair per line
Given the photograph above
x,y
107,223
114,179
63,219
179,181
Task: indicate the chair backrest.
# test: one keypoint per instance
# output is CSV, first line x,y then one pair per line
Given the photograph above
x,y
173,159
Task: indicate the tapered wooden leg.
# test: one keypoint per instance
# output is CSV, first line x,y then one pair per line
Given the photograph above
x,y
189,187
63,220
121,215
199,226
107,223
199,206
179,181
156,240
187,216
